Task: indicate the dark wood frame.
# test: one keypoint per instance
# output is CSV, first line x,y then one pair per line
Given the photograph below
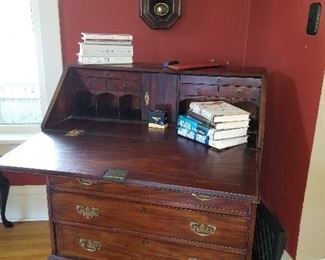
x,y
157,22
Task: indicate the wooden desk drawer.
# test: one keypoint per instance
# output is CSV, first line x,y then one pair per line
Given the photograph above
x,y
239,92
96,244
206,80
107,74
192,90
221,81
123,85
188,200
189,225
93,84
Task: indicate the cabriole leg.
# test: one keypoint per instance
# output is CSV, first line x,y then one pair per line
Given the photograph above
x,y
4,190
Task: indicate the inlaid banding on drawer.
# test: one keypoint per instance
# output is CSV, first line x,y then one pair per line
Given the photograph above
x,y
160,220
189,200
114,245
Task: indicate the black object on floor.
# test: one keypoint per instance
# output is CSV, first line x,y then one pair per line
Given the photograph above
x,y
270,237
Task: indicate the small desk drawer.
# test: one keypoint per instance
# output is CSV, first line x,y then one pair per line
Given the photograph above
x,y
93,84
239,92
190,200
191,90
96,244
109,74
123,85
221,81
164,221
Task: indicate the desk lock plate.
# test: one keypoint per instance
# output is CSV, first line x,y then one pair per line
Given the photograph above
x,y
115,175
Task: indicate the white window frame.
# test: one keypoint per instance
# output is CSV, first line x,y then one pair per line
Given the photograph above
x,y
46,22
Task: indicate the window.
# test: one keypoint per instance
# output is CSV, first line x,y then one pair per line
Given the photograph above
x,y
19,79
31,63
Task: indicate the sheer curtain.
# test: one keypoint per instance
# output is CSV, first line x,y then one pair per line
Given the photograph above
x,y
20,101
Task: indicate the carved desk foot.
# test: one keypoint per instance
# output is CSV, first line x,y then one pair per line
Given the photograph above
x,y
4,190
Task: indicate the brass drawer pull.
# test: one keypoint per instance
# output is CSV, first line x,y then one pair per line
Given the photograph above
x,y
87,212
90,245
202,197
87,182
202,229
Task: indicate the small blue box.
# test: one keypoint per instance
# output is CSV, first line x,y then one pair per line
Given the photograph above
x,y
158,119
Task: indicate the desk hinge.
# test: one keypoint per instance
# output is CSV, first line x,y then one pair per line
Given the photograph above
x,y
75,132
115,175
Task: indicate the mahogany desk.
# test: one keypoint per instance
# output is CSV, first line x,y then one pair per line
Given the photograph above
x,y
118,190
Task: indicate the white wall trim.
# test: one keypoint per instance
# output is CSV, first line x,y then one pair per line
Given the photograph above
x,y
286,256
27,203
48,41
46,21
311,242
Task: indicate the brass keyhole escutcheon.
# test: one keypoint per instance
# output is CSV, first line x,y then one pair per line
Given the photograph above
x,y
161,9
146,98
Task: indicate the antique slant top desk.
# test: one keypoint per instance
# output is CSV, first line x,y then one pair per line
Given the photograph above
x,y
118,190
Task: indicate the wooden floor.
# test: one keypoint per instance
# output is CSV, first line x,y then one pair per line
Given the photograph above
x,y
26,240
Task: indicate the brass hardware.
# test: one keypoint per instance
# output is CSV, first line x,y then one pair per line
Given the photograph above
x,y
115,175
146,98
87,212
202,229
161,9
90,245
202,197
74,132
192,258
86,182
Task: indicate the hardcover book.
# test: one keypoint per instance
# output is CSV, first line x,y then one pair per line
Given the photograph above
x,y
219,111
104,60
198,127
204,139
108,42
220,125
105,50
192,135
225,143
106,36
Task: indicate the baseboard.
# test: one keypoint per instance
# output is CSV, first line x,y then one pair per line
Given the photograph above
x,y
27,203
286,256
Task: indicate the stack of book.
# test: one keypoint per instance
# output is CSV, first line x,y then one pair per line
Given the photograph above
x,y
99,48
214,123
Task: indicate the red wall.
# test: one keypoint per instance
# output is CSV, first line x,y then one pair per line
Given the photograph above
x,y
295,63
206,30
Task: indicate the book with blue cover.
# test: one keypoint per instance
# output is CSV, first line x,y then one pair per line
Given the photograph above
x,y
199,127
193,125
204,139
